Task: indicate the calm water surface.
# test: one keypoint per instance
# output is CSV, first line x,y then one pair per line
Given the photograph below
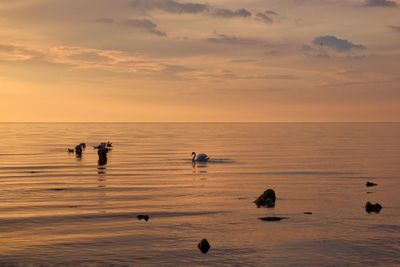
x,y
56,209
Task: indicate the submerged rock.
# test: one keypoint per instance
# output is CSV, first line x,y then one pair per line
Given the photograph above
x,y
370,184
78,150
272,219
143,217
102,151
266,199
369,207
204,246
102,156
104,145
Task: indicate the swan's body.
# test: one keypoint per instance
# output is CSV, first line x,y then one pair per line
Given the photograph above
x,y
200,157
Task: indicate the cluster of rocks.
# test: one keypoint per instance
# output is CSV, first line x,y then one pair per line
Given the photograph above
x,y
204,246
268,199
102,150
369,207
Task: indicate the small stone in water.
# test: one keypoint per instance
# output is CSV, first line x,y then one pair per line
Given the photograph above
x,y
266,199
369,207
272,219
204,246
369,184
143,217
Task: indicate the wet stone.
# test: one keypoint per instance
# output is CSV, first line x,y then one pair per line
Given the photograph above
x,y
272,219
370,184
143,217
267,199
204,246
369,207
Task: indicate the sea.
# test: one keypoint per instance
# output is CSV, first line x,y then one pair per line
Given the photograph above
x,y
57,209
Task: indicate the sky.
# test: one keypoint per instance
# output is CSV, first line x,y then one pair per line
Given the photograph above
x,y
199,61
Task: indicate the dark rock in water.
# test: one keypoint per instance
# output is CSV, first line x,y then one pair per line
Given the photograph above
x,y
308,212
70,150
370,184
102,155
272,219
57,189
78,150
101,146
143,217
204,246
369,207
266,199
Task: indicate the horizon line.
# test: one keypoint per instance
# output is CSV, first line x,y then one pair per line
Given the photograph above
x,y
193,122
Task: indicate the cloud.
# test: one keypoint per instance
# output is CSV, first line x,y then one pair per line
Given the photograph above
x,y
233,40
313,52
223,74
341,45
380,3
105,20
395,28
270,12
266,16
75,57
144,24
174,7
11,52
170,6
226,13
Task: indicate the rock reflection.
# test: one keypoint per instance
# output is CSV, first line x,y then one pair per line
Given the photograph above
x,y
101,172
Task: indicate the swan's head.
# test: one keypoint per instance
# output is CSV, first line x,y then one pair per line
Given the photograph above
x,y
193,153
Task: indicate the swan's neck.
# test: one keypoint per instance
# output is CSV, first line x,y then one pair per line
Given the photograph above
x,y
194,157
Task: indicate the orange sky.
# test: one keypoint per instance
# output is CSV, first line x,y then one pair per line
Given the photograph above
x,y
176,60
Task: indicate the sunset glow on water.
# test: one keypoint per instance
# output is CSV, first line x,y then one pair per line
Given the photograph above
x,y
199,133
57,209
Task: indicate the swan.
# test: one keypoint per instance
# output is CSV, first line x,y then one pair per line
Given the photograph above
x,y
200,157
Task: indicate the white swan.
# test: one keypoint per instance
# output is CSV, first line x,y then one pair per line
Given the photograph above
x,y
200,157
